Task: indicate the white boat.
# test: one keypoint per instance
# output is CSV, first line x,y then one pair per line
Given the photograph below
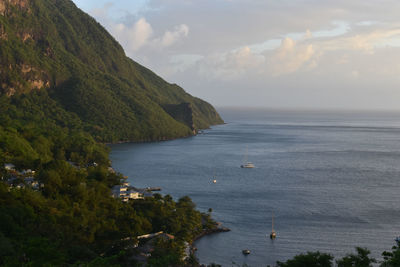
x,y
246,251
214,179
247,164
272,235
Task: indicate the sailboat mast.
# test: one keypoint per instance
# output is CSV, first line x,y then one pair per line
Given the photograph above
x,y
272,222
273,234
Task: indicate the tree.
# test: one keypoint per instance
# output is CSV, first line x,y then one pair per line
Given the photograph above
x,y
311,259
359,260
391,259
166,253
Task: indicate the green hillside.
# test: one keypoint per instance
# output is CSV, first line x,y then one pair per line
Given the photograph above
x,y
66,88
54,46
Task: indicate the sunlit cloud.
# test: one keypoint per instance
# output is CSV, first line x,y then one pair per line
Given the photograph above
x,y
365,42
135,36
171,37
230,66
290,57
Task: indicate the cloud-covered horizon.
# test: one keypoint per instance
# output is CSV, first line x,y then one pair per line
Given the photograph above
x,y
283,54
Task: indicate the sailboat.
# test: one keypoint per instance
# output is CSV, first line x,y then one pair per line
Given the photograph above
x,y
272,235
247,164
246,252
214,179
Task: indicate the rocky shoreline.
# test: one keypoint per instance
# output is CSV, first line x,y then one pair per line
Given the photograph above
x,y
218,229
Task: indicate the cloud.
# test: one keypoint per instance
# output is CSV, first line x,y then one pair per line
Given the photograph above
x,y
102,11
290,57
355,74
366,41
133,37
137,33
141,35
171,37
308,34
231,65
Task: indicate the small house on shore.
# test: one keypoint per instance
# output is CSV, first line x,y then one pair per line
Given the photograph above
x,y
125,193
9,167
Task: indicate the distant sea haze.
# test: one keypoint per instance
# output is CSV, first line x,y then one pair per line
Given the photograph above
x,y
330,178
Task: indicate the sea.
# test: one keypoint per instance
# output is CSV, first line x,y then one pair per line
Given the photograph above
x,y
330,179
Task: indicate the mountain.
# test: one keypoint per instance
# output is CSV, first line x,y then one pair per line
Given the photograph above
x,y
66,88
55,47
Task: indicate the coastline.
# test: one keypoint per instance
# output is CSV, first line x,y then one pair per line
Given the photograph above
x,y
218,229
161,139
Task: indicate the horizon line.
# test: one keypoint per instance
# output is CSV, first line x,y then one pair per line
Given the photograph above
x,y
307,109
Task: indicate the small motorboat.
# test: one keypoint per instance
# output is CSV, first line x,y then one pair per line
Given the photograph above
x,y
272,235
248,165
246,251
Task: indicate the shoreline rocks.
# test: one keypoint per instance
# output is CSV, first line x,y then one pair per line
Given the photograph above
x,y
218,229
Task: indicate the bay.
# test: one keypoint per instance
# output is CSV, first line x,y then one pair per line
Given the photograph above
x,y
332,180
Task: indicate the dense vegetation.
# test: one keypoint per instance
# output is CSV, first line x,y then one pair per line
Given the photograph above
x,y
54,46
361,259
73,217
66,88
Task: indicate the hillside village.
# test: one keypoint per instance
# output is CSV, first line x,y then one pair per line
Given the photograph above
x,y
144,245
25,178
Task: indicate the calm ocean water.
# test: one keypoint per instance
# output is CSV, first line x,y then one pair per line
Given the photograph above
x,y
331,179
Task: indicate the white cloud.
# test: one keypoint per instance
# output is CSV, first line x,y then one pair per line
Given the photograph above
x,y
290,57
141,35
133,37
171,37
231,65
366,41
308,34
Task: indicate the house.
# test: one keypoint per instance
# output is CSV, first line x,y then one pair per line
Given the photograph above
x,y
9,167
125,193
11,181
92,164
119,191
20,186
30,181
134,195
27,172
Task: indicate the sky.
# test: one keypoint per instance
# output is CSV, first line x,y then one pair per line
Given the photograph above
x,y
307,54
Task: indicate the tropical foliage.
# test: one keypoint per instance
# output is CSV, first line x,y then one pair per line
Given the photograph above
x,y
53,46
66,88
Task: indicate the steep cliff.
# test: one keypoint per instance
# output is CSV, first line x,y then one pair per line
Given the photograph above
x,y
52,45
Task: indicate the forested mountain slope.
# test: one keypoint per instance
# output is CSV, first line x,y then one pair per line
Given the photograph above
x,y
66,87
54,46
